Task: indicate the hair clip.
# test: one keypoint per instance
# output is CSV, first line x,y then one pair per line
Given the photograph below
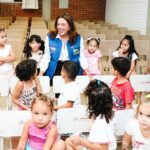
x,y
98,83
93,38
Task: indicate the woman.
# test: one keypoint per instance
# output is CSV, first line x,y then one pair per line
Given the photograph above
x,y
64,44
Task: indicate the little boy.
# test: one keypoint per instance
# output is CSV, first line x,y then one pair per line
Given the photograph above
x,y
122,91
70,95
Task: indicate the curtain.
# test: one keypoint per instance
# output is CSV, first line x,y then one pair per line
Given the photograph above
x,y
30,4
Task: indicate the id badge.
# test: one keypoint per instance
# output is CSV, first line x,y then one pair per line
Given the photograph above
x,y
75,51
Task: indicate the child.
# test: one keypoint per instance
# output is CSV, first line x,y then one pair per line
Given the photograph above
x,y
100,107
34,49
28,85
70,95
7,57
138,130
93,55
122,91
127,49
40,133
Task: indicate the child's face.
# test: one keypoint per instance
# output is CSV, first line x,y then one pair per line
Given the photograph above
x,y
35,45
62,27
144,116
92,46
3,38
41,114
114,72
125,45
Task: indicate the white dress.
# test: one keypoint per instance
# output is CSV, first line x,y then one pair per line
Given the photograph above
x,y
6,69
138,141
116,54
103,132
70,91
38,57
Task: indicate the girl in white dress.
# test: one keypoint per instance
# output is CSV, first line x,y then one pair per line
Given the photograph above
x,y
34,49
127,49
100,106
7,57
137,130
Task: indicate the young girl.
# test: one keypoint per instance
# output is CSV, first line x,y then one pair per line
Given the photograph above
x,y
34,49
7,57
127,49
28,86
100,107
93,55
40,133
70,95
138,130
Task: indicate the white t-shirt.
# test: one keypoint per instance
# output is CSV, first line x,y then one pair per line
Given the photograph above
x,y
103,132
38,56
6,67
116,54
70,91
138,141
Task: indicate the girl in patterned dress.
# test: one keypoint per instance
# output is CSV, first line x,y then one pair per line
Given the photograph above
x,y
28,86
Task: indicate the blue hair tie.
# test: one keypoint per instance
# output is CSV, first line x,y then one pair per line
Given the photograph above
x,y
98,83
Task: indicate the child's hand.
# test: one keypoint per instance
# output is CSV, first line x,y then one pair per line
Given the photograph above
x,y
76,140
41,73
54,99
87,72
1,62
147,70
120,52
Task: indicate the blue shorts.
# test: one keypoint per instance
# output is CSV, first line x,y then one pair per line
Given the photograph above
x,y
28,147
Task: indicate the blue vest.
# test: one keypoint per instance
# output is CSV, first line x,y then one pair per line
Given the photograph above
x,y
55,46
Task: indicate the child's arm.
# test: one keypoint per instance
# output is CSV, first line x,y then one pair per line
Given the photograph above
x,y
24,137
52,137
100,65
9,58
38,86
69,104
16,93
132,68
78,141
128,106
126,141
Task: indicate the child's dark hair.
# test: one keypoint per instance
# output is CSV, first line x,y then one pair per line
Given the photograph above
x,y
131,49
99,100
122,65
2,30
71,68
27,49
26,69
97,40
44,99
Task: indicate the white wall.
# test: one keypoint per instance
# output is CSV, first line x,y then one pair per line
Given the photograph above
x,y
6,1
127,13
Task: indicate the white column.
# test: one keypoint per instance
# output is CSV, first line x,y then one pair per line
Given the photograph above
x,y
46,9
